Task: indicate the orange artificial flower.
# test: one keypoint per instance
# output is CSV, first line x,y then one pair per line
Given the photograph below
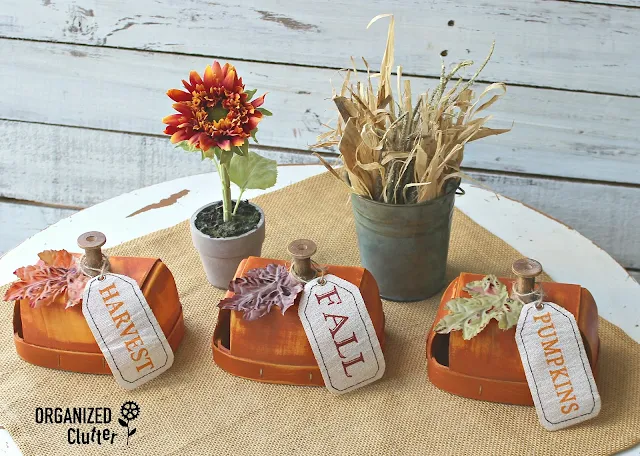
x,y
215,111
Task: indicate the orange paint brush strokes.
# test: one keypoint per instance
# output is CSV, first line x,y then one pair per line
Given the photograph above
x,y
162,203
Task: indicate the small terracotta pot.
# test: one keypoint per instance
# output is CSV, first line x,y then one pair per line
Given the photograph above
x,y
221,256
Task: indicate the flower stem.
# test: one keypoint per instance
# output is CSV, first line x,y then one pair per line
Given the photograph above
x,y
226,192
235,209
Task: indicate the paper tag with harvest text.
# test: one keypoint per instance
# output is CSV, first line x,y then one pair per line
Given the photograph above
x,y
341,334
556,366
126,330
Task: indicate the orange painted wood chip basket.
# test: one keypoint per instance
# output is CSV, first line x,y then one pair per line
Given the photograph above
x,y
488,366
55,337
274,348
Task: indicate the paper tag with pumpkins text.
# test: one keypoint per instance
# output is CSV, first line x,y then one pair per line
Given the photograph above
x,y
7,446
556,366
126,330
341,334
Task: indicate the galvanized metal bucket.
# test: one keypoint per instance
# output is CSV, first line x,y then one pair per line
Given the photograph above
x,y
405,246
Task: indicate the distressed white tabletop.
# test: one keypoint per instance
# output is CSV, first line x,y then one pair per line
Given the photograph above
x,y
565,254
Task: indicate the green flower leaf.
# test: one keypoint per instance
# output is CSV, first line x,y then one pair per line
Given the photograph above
x,y
265,112
184,145
253,134
224,156
489,300
253,171
243,150
250,93
213,152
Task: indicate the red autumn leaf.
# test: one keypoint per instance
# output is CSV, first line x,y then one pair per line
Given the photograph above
x,y
57,258
55,278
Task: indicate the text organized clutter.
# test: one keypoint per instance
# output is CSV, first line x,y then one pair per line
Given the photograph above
x,y
89,426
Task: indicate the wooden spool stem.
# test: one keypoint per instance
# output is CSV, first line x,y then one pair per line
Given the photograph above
x,y
525,285
94,257
301,250
526,271
92,242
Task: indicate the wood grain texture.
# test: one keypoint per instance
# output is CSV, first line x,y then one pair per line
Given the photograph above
x,y
106,81
622,3
568,45
606,214
80,167
554,132
20,221
123,162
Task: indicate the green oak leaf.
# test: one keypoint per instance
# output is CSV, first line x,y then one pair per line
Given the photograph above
x,y
253,171
489,285
265,112
510,314
489,300
470,315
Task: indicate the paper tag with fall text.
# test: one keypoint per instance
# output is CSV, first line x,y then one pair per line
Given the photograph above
x,y
7,446
556,366
126,330
341,334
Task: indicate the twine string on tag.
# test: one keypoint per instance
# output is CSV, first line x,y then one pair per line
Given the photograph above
x,y
93,272
524,297
322,270
316,267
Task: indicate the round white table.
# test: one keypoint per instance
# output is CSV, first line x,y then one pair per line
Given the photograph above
x,y
566,255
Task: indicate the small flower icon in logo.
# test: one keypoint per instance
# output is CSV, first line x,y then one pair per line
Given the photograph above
x,y
129,411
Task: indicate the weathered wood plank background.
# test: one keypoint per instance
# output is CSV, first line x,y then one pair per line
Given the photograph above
x,y
84,80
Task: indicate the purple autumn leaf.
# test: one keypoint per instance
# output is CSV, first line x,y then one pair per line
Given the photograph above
x,y
261,289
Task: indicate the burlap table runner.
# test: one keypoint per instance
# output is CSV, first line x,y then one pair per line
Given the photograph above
x,y
196,408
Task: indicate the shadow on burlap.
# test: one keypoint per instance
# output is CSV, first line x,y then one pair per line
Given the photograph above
x,y
196,408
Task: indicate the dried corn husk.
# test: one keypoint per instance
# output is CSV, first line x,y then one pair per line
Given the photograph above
x,y
399,152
